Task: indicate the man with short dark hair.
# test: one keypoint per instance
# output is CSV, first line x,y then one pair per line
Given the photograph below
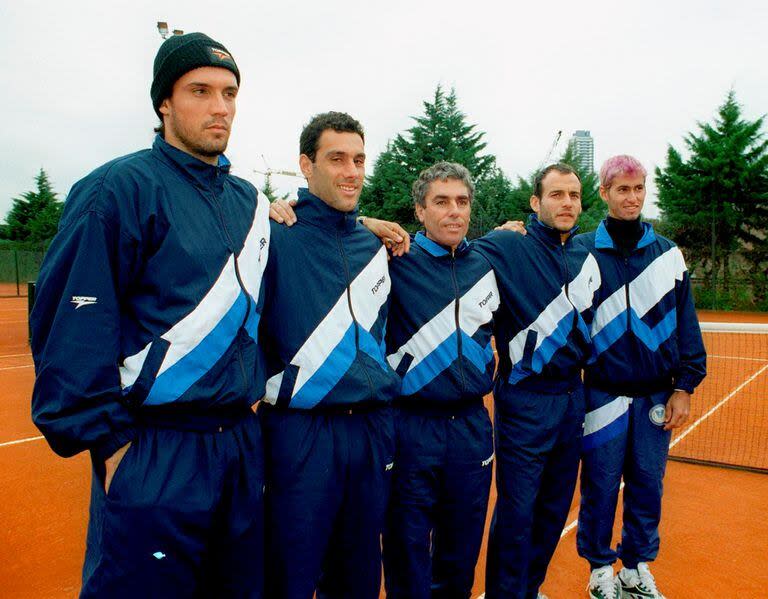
x,y
439,341
144,339
328,424
649,359
546,285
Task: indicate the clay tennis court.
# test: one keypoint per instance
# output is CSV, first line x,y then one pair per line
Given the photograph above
x,y
714,530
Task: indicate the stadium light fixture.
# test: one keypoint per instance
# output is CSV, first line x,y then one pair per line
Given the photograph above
x,y
162,29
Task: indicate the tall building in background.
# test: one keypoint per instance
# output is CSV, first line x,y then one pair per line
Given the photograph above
x,y
584,148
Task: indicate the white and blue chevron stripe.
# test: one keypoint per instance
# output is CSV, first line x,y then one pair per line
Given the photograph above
x,y
645,292
554,323
330,350
199,339
606,422
434,346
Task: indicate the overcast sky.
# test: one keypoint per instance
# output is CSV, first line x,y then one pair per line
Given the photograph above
x,y
638,75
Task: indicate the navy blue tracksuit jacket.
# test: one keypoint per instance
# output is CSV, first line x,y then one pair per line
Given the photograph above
x,y
645,330
148,299
439,332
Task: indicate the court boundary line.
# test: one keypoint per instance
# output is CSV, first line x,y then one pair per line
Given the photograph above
x,y
19,441
17,367
16,355
738,358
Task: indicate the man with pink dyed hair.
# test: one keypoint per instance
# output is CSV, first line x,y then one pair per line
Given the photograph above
x,y
649,358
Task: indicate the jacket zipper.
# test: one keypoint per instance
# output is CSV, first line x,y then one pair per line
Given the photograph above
x,y
626,287
231,247
352,312
458,326
567,284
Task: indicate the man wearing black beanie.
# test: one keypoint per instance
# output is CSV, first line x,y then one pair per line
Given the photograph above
x,y
144,336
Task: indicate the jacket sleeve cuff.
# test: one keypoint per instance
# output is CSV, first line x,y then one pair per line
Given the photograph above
x,y
684,383
107,448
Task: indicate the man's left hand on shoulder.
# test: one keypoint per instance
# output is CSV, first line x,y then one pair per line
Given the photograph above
x,y
678,409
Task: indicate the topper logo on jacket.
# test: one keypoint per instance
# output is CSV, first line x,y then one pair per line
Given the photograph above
x,y
82,300
378,284
486,300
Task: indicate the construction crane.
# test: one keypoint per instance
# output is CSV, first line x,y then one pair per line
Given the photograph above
x,y
551,150
269,172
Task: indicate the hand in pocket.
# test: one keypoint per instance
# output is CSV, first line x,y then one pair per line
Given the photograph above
x,y
111,464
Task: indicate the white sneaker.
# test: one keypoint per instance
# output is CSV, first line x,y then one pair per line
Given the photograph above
x,y
603,584
638,584
541,596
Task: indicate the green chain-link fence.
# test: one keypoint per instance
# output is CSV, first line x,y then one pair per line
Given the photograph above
x,y
17,267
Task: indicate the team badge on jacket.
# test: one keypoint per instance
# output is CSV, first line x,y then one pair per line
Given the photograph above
x,y
658,414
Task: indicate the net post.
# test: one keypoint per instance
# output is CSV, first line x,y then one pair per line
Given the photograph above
x,y
30,302
16,264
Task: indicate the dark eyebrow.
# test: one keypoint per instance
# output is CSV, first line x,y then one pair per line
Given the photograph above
x,y
203,84
343,153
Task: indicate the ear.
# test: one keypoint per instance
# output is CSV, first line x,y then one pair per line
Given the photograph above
x,y
165,107
604,193
535,203
305,164
419,212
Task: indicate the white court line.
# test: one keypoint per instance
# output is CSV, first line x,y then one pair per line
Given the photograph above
x,y
17,367
738,358
689,430
7,443
15,356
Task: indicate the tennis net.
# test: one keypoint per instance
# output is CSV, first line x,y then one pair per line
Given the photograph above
x,y
728,425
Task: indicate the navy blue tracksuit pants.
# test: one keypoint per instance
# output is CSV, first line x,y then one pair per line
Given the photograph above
x,y
328,481
538,445
623,437
183,516
440,489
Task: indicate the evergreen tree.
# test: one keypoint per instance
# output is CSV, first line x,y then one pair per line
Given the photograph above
x,y
715,203
491,206
35,215
441,133
271,192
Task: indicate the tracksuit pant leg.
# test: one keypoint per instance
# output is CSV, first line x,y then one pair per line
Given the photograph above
x,y
621,438
183,517
557,487
439,502
537,440
328,479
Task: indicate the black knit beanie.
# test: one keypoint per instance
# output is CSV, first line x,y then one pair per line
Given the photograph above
x,y
180,54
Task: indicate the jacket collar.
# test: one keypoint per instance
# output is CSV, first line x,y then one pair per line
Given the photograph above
x,y
603,240
546,233
435,249
314,211
200,173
